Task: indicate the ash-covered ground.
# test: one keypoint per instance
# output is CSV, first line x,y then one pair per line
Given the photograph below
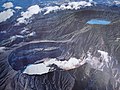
x,y
61,51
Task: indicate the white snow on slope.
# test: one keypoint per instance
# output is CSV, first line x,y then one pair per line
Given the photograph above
x,y
13,38
31,34
8,5
6,15
2,48
3,32
25,30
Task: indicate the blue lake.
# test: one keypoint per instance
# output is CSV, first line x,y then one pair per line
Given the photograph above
x,y
98,21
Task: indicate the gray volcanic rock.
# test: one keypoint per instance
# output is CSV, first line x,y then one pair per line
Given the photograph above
x,y
63,35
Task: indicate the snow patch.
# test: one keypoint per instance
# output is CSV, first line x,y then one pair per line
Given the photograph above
x,y
25,30
3,32
22,36
31,34
8,5
6,15
2,48
15,37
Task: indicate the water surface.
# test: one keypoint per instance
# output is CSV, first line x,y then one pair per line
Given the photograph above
x,y
98,22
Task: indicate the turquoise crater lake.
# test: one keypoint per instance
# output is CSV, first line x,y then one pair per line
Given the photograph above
x,y
98,22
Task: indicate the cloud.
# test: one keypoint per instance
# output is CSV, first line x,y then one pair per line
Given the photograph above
x,y
8,5
32,10
18,7
6,15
